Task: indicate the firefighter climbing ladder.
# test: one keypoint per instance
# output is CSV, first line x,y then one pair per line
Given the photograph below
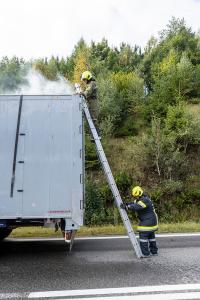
x,y
111,181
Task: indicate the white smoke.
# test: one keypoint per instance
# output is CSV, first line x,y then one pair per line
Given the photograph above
x,y
39,85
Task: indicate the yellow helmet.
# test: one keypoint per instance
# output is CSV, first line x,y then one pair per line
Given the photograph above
x,y
86,75
137,191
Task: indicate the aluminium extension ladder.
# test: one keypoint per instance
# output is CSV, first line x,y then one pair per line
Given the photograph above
x,y
111,181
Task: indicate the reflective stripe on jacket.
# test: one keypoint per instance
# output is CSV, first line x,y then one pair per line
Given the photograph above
x,y
148,220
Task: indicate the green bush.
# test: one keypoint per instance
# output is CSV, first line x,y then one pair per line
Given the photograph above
x,y
123,182
94,209
91,159
118,95
172,187
128,128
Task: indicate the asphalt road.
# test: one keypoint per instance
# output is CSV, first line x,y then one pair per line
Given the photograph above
x,y
44,265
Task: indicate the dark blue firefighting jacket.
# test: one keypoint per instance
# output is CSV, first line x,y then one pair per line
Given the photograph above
x,y
148,220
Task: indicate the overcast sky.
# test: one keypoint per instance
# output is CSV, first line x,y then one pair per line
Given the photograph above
x,y
38,28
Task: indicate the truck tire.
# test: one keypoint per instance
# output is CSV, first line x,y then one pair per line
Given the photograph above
x,y
4,232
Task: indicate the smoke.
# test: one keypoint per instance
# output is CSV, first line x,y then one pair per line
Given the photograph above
x,y
37,84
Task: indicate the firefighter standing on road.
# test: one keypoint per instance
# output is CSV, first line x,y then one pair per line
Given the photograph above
x,y
148,221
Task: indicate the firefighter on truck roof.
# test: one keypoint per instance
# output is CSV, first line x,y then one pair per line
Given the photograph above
x,y
90,93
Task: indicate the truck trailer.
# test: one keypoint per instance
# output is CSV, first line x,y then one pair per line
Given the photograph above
x,y
41,163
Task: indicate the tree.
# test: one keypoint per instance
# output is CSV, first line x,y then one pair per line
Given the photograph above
x,y
128,58
63,67
12,74
118,96
185,76
176,37
81,61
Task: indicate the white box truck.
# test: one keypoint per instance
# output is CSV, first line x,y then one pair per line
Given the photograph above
x,y
41,163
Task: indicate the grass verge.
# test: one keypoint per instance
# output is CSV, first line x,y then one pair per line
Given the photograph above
x,y
102,230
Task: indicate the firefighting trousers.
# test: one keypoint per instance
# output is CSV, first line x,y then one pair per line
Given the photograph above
x,y
148,243
94,112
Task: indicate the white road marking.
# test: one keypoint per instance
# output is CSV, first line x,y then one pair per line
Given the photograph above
x,y
179,296
170,292
112,291
159,235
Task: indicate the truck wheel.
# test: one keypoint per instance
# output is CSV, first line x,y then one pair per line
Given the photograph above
x,y
4,232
